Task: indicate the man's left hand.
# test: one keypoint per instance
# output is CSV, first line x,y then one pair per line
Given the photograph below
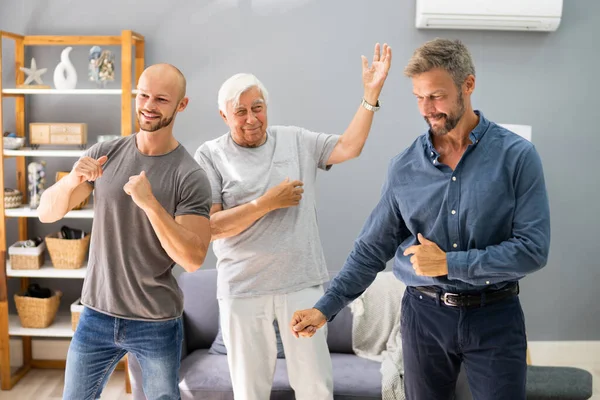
x,y
375,75
140,190
428,259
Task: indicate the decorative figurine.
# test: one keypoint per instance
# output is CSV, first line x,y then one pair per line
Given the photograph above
x,y
65,76
33,75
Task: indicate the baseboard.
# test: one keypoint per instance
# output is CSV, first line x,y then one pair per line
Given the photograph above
x,y
561,353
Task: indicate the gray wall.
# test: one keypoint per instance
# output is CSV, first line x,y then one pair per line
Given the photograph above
x,y
308,54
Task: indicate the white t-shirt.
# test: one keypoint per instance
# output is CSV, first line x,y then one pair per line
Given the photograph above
x,y
281,252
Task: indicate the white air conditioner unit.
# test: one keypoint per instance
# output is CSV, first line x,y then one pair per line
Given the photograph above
x,y
508,15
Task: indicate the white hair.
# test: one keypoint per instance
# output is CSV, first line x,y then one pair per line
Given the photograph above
x,y
232,89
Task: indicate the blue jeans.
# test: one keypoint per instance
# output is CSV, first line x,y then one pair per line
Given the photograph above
x,y
489,340
100,341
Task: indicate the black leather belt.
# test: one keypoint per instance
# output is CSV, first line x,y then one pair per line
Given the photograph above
x,y
469,299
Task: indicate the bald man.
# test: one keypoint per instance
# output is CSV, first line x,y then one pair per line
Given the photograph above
x,y
151,210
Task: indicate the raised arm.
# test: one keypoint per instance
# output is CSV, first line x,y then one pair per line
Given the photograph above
x,y
65,194
352,141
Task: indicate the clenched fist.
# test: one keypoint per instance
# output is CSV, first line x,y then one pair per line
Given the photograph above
x,y
86,169
286,194
306,322
140,190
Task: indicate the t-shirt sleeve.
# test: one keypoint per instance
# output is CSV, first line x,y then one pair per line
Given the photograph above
x,y
204,159
321,145
195,195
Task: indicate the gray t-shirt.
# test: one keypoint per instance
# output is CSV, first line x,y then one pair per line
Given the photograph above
x,y
281,252
129,273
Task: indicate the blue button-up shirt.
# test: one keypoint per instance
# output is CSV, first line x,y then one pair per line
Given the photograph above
x,y
490,215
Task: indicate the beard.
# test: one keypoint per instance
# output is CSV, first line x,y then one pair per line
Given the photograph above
x,y
450,120
153,126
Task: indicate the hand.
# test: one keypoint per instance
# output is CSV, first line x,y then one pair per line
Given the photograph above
x,y
428,259
286,194
374,76
306,322
86,169
140,190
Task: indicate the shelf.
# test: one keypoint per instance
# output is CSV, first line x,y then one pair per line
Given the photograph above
x,y
61,327
64,91
29,152
46,271
87,212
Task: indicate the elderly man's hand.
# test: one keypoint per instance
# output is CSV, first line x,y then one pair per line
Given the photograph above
x,y
375,75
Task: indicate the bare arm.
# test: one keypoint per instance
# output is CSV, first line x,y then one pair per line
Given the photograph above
x,y
184,238
352,141
65,194
232,222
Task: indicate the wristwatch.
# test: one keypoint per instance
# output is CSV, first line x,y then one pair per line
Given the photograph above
x,y
369,106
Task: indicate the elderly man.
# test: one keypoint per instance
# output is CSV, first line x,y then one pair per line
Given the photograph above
x,y
464,212
265,233
152,204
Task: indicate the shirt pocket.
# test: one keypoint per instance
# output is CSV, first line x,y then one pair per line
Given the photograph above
x,y
284,168
488,202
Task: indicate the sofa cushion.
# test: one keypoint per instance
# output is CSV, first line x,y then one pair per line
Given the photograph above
x,y
206,376
200,308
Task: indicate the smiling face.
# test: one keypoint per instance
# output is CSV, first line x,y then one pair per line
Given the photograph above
x,y
247,119
441,102
160,97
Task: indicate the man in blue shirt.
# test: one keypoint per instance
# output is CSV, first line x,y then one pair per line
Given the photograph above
x,y
464,213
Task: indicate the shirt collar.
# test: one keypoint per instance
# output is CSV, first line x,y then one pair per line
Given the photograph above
x,y
475,135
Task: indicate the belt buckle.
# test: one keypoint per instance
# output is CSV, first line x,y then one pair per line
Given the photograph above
x,y
450,295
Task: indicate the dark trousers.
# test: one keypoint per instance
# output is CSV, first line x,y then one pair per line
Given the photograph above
x,y
437,338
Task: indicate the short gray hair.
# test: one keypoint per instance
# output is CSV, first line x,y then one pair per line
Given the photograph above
x,y
450,55
232,89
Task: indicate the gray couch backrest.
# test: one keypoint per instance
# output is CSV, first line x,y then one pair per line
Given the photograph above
x,y
201,314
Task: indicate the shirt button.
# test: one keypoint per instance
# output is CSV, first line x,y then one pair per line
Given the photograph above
x,y
434,161
454,178
487,282
432,154
453,212
454,245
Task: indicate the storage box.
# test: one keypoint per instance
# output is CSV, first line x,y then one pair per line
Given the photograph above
x,y
76,309
26,257
67,253
35,312
57,133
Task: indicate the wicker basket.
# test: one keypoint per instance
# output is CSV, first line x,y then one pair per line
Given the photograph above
x,y
37,313
76,309
67,253
26,257
12,198
62,174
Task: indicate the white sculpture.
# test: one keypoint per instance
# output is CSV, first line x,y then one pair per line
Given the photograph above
x,y
33,74
65,76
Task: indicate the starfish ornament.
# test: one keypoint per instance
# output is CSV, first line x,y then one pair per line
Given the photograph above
x,y
33,74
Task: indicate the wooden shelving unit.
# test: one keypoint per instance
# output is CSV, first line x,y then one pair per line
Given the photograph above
x,y
132,65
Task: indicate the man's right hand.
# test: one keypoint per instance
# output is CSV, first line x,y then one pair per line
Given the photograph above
x,y
306,322
86,169
286,194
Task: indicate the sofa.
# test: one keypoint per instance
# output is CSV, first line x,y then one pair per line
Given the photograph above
x,y
206,376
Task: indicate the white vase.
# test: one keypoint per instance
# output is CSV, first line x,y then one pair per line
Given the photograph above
x,y
65,76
